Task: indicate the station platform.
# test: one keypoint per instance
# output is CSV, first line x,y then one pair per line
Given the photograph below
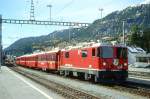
x,y
15,86
139,69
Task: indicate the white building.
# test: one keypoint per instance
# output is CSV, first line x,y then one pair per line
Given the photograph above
x,y
137,57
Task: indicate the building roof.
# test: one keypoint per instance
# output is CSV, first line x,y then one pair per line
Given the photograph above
x,y
134,49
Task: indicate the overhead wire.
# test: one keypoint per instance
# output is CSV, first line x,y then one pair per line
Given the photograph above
x,y
64,7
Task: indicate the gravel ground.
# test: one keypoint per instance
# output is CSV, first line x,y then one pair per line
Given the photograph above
x,y
96,89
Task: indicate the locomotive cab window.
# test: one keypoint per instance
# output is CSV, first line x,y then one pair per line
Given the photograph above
x,y
107,52
122,53
67,55
84,53
93,51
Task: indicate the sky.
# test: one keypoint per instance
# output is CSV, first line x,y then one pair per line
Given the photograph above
x,y
62,10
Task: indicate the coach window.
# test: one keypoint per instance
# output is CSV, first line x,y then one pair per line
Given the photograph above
x,y
39,58
50,57
54,56
84,53
93,51
67,55
42,58
35,58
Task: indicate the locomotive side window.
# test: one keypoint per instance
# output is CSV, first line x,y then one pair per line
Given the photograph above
x,y
93,51
84,53
67,55
98,52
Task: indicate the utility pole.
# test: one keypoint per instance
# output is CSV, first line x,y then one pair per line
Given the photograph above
x,y
101,10
69,34
50,8
70,28
32,18
0,40
123,31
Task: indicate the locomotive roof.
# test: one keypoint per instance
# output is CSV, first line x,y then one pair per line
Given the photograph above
x,y
91,44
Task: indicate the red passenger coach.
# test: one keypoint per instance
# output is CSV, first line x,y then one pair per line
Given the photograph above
x,y
22,60
48,60
52,59
18,60
42,61
31,61
98,61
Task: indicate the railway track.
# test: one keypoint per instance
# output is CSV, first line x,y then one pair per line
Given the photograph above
x,y
134,88
65,91
70,93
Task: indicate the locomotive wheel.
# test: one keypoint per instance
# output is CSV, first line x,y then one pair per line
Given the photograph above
x,y
85,76
95,79
43,69
80,75
66,73
70,73
61,72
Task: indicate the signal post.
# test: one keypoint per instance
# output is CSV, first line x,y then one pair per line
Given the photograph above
x,y
0,40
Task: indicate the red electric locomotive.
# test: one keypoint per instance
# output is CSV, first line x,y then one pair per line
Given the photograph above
x,y
98,61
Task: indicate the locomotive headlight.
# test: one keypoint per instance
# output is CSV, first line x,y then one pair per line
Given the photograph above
x,y
104,64
125,64
116,62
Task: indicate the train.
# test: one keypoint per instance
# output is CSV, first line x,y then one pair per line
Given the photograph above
x,y
8,60
97,61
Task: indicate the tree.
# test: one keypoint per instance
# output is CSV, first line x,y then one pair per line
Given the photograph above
x,y
146,39
135,38
141,39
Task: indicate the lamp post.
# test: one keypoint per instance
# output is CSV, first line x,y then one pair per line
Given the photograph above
x,y
101,10
50,8
0,40
123,30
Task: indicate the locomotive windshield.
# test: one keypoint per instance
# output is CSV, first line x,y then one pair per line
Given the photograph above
x,y
122,53
106,52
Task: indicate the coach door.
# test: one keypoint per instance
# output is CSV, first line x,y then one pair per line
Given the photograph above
x,y
59,59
